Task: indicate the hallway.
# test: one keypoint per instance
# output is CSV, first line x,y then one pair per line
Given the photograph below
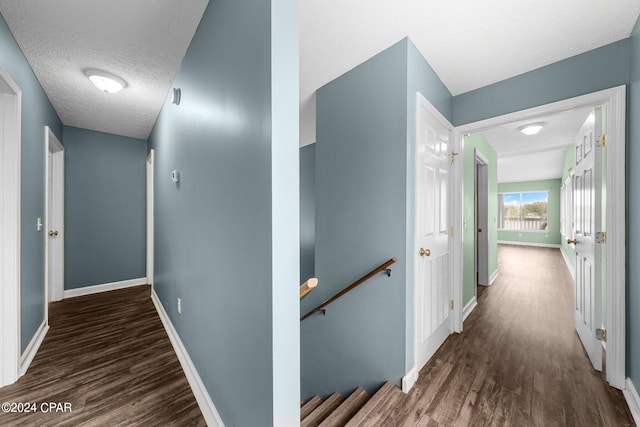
x,y
519,361
108,356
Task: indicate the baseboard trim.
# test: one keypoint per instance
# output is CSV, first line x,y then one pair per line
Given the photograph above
x,y
493,277
33,347
208,409
466,311
633,400
94,289
409,380
569,266
540,245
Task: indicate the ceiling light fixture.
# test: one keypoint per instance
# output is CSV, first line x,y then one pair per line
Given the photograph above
x,y
531,129
105,81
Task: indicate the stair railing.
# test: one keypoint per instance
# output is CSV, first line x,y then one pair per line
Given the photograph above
x,y
381,268
308,286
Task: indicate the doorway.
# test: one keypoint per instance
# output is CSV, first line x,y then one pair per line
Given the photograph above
x,y
481,213
10,147
613,253
150,237
54,246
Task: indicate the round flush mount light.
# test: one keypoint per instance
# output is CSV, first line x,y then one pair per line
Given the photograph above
x,y
531,129
105,81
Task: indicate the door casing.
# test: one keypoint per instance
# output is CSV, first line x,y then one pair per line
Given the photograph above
x,y
10,146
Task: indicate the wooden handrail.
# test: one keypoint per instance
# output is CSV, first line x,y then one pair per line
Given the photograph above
x,y
308,286
384,267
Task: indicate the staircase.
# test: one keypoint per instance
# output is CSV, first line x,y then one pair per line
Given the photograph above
x,y
360,409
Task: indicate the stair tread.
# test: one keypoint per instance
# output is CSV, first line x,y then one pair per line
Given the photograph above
x,y
377,407
309,406
321,412
343,413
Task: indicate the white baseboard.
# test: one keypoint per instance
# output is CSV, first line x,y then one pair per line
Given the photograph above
x,y
569,265
94,289
466,311
540,245
32,348
409,380
633,401
493,277
208,409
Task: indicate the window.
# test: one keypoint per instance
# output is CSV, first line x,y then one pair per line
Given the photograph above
x,y
523,211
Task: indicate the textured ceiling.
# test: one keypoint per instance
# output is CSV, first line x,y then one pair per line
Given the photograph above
x,y
535,157
142,41
468,43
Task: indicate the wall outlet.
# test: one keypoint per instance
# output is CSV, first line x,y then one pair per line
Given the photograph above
x,y
180,305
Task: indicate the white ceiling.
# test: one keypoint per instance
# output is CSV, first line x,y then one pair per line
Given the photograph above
x,y
468,43
142,41
535,157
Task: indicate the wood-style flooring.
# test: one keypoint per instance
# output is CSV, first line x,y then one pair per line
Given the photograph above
x,y
109,356
519,361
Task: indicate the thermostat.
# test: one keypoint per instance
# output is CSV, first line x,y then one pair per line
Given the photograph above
x,y
175,176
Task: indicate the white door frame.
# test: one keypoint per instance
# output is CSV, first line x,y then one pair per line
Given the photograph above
x,y
481,200
614,250
150,223
54,152
10,147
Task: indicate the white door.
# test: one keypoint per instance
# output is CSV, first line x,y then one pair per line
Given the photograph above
x,y
587,213
432,249
55,217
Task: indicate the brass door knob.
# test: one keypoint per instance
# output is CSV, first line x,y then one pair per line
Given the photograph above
x,y
425,252
53,233
572,241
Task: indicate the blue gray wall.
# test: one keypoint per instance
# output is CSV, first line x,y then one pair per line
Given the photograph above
x,y
307,211
597,69
633,205
37,113
361,158
364,156
105,207
227,235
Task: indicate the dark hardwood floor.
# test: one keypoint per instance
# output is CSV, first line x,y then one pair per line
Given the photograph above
x,y
519,361
109,356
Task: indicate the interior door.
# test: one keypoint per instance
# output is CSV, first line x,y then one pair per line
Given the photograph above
x,y
432,249
587,213
55,217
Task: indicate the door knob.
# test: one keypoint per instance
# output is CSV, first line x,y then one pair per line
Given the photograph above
x,y
572,241
425,252
53,233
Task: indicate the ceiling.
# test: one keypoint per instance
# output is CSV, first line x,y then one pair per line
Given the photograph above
x,y
535,157
142,41
468,43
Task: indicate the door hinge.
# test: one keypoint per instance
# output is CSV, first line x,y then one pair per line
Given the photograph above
x,y
601,237
451,304
452,157
602,141
601,335
451,231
